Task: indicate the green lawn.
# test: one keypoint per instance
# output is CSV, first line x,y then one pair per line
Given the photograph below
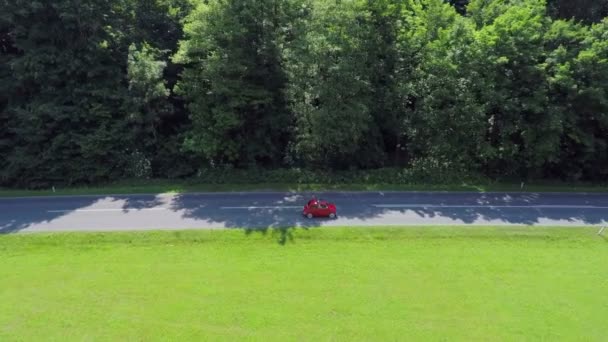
x,y
166,186
367,284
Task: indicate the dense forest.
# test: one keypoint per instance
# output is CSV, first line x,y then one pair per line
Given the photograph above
x,y
101,90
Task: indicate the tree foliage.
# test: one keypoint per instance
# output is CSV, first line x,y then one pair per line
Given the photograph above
x,y
448,123
234,81
333,93
589,11
66,112
94,90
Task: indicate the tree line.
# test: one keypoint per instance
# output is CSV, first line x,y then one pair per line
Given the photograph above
x,y
101,90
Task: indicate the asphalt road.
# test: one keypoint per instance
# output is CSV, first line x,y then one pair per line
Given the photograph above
x,y
262,210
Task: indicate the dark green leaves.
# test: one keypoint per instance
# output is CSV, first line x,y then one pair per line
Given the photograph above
x,y
234,82
101,90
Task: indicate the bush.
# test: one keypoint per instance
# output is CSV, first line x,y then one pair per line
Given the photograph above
x,y
421,172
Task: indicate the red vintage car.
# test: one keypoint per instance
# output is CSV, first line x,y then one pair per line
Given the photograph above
x,y
319,208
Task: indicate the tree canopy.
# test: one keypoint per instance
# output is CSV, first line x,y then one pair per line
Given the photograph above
x,y
99,90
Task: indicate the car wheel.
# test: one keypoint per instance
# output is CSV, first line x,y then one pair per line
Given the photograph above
x,y
309,215
332,216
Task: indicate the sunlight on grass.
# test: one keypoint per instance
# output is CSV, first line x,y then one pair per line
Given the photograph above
x,y
366,284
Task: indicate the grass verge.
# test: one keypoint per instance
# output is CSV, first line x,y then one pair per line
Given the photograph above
x,y
163,186
434,283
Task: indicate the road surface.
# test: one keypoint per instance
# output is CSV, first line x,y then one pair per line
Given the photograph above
x,y
274,209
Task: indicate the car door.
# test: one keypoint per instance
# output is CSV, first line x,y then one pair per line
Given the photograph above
x,y
314,210
323,209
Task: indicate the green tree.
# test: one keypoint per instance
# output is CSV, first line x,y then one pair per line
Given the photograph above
x,y
386,65
448,124
67,113
148,99
331,87
579,71
103,90
159,24
234,82
589,11
8,52
523,132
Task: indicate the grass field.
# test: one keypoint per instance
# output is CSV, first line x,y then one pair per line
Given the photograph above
x,y
166,186
367,284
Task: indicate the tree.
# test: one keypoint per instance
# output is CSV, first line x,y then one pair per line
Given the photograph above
x,y
588,11
386,58
448,124
67,113
8,52
94,90
580,87
148,100
523,132
234,82
158,22
330,85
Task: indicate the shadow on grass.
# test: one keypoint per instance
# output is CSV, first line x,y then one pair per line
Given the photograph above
x,y
283,235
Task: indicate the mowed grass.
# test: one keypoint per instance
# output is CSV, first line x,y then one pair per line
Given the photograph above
x,y
363,284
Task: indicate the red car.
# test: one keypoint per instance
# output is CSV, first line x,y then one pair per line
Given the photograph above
x,y
319,208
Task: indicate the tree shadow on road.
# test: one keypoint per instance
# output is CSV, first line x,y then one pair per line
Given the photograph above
x,y
280,214
18,214
46,214
485,209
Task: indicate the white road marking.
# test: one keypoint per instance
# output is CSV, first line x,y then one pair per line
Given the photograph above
x,y
262,207
547,206
387,206
103,210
